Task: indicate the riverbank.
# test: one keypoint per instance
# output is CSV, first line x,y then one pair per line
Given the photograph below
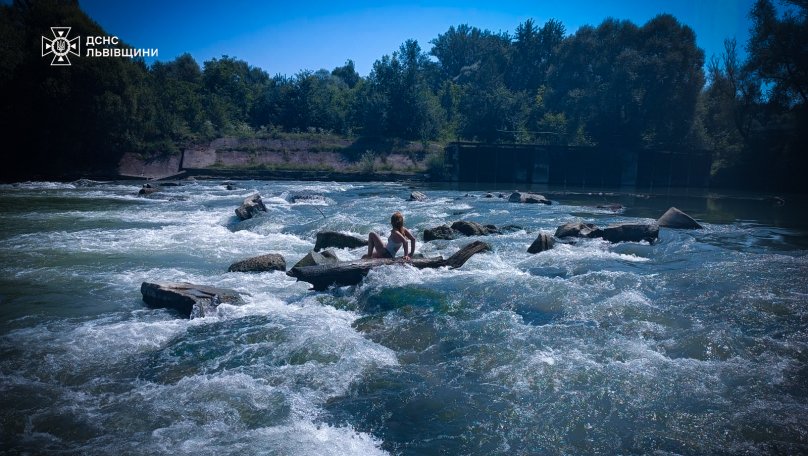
x,y
292,157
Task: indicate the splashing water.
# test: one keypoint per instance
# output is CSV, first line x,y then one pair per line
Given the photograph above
x,y
695,344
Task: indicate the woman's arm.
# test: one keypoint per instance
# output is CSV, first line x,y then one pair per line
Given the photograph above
x,y
411,238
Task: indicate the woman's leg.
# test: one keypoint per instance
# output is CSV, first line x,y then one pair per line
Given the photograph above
x,y
375,242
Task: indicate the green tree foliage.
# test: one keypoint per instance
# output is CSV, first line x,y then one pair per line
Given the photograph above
x,y
533,51
777,50
347,74
617,83
399,99
726,107
231,87
629,85
755,112
178,86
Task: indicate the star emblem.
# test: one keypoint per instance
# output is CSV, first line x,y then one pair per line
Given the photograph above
x,y
60,46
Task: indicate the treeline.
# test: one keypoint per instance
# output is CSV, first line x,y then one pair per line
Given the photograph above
x,y
617,84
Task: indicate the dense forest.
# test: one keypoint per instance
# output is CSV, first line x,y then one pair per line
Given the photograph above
x,y
617,84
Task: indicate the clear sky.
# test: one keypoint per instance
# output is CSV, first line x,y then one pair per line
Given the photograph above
x,y
286,37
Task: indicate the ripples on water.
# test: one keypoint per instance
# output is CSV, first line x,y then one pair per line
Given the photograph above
x,y
696,344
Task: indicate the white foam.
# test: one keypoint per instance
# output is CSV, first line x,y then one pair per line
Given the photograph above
x,y
38,186
308,438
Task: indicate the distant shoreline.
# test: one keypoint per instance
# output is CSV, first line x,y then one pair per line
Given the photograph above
x,y
234,174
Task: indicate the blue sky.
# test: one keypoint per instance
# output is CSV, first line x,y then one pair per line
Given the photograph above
x,y
286,37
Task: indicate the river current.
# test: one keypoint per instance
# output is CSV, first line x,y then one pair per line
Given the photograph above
x,y
696,344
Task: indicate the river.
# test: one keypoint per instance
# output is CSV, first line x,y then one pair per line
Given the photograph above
x,y
697,344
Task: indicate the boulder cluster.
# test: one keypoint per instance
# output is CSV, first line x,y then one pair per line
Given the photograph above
x,y
465,228
194,301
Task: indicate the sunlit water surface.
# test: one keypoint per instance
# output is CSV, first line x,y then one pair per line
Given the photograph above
x,y
695,344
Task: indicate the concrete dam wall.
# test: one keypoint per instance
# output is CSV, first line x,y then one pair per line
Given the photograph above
x,y
577,166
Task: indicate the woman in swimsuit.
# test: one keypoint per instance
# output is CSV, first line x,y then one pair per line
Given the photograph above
x,y
398,236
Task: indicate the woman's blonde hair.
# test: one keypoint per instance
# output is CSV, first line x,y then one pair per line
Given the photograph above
x,y
397,220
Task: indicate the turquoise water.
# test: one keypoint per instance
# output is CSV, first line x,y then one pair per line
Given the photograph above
x,y
697,344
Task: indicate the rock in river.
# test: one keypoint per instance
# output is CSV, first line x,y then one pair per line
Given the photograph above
x,y
190,300
544,241
626,232
251,206
326,239
674,218
317,258
524,197
312,198
465,228
472,228
576,229
439,232
148,189
262,263
630,232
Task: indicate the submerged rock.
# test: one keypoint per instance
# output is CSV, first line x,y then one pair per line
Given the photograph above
x,y
544,241
507,229
326,239
261,263
674,218
307,198
317,259
439,232
87,182
190,300
417,196
250,207
148,189
530,198
614,207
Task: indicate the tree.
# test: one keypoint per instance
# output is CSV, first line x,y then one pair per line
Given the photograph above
x,y
178,85
347,73
777,51
231,86
465,49
672,77
533,51
628,85
400,101
724,108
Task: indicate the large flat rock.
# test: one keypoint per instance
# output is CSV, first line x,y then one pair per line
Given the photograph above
x,y
190,300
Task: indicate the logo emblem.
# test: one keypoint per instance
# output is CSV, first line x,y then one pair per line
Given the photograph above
x,y
61,46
